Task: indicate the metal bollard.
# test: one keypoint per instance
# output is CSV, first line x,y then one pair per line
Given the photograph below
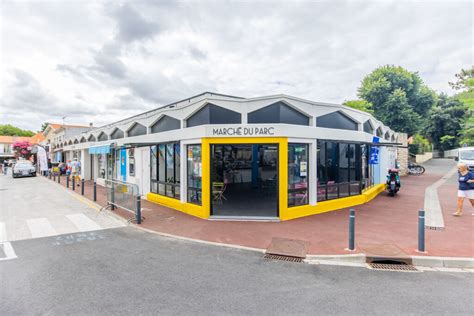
x,y
59,177
112,196
73,183
138,214
82,186
351,229
95,191
49,174
67,182
54,177
421,231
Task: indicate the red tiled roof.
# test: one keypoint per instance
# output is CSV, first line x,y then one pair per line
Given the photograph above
x,y
12,139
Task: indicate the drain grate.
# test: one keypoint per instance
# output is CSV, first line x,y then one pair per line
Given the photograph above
x,y
269,257
392,267
434,228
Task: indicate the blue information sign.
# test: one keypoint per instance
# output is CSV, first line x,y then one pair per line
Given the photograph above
x,y
374,152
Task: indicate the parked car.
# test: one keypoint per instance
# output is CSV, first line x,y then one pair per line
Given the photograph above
x,y
23,168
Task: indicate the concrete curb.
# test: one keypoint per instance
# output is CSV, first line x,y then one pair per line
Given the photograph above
x,y
355,260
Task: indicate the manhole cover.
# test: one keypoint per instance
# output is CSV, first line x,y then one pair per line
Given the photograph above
x,y
392,267
288,247
381,252
269,257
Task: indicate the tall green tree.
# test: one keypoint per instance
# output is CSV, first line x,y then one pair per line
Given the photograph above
x,y
445,122
398,97
43,126
360,105
465,85
10,130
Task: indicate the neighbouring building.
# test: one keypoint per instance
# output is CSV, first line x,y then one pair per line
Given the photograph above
x,y
221,156
55,134
6,144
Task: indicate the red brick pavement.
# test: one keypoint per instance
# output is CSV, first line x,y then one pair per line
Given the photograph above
x,y
384,220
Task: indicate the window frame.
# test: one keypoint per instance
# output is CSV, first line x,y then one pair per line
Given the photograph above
x,y
172,187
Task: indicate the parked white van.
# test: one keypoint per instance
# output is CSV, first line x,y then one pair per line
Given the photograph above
x,y
466,155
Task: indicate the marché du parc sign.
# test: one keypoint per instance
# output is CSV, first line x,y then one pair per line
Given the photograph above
x,y
243,131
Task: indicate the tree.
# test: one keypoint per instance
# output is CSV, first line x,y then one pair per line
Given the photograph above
x,y
464,80
398,97
10,130
445,122
43,126
360,105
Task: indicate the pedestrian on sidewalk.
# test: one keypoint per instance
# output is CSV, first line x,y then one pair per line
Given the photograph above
x,y
5,167
466,187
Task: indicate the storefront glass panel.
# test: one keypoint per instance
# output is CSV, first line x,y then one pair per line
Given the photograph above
x,y
194,174
341,169
164,162
244,180
297,174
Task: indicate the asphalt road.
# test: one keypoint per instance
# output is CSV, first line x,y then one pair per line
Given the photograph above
x,y
128,271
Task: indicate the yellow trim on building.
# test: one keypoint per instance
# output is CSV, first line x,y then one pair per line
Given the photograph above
x,y
285,212
332,205
188,208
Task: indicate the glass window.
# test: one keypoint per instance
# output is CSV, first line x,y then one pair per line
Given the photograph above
x,y
131,162
298,173
102,161
118,133
194,174
278,113
342,169
336,120
166,123
164,166
137,130
213,114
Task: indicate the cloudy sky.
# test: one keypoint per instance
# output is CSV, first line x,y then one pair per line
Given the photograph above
x,y
100,61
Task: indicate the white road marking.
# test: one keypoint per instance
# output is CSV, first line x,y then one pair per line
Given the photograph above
x,y
40,227
8,250
3,232
434,214
83,223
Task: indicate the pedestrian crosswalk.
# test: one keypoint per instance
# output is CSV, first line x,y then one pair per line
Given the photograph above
x,y
40,227
53,226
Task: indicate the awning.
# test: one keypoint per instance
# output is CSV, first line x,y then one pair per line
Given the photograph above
x,y
99,150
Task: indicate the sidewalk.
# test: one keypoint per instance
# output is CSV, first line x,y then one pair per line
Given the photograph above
x,y
384,220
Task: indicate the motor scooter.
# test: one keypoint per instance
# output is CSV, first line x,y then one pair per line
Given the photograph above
x,y
393,182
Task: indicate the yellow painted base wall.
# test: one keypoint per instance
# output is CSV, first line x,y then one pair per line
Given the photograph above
x,y
286,214
331,205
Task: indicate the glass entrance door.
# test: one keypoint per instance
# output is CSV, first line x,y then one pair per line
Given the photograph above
x,y
244,180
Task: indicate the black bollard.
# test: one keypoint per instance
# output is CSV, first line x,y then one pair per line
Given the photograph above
x,y
67,181
95,191
73,183
421,231
351,229
138,214
59,177
54,176
82,186
49,173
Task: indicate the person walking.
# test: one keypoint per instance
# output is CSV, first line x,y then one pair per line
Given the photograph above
x,y
466,187
5,167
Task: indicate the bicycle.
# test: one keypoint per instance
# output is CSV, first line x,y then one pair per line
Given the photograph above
x,y
415,170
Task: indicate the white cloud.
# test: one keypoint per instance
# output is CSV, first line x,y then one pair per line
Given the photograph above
x,y
102,61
